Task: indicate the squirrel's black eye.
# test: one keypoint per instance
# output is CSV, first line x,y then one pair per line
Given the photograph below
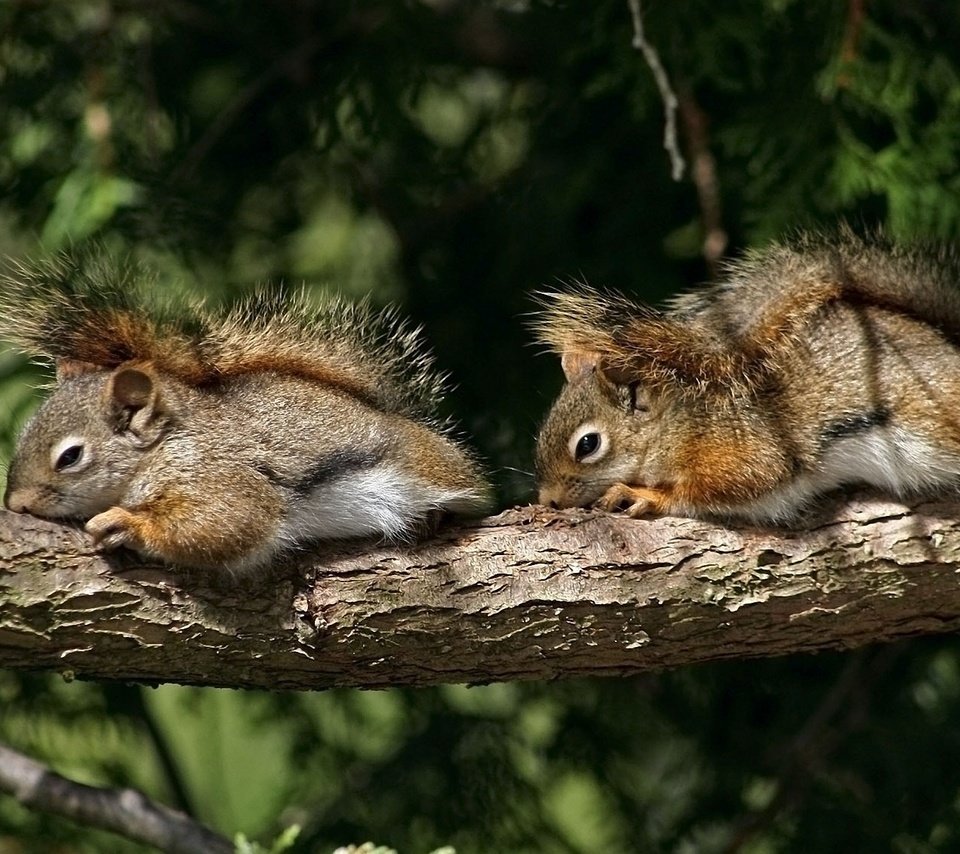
x,y
69,457
586,445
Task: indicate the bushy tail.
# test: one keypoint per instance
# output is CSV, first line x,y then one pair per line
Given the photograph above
x,y
371,353
770,294
84,307
635,343
733,335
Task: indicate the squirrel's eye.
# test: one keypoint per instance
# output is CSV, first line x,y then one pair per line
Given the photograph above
x,y
68,457
587,444
72,452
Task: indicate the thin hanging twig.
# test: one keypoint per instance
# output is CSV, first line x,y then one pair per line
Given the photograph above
x,y
666,91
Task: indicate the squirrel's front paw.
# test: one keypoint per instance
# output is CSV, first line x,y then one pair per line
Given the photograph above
x,y
634,501
114,528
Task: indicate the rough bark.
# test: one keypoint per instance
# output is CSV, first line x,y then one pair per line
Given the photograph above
x,y
529,594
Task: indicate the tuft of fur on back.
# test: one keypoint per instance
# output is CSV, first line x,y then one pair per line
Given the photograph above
x,y
373,354
636,343
735,334
82,306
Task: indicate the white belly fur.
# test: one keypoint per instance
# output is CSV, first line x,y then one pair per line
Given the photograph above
x,y
891,458
383,500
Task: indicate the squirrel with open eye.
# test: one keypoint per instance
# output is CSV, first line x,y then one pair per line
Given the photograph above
x,y
818,362
223,439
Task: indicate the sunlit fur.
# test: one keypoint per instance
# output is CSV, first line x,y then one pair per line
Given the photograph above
x,y
223,438
823,361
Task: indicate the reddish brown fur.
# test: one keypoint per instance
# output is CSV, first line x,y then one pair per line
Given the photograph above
x,y
224,439
815,363
172,528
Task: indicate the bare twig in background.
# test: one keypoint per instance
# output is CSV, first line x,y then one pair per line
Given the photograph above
x,y
180,796
666,91
228,116
123,811
291,64
703,171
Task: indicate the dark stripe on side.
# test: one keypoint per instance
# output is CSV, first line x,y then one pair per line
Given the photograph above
x,y
331,467
851,425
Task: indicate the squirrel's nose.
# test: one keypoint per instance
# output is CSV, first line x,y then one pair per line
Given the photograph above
x,y
17,500
549,497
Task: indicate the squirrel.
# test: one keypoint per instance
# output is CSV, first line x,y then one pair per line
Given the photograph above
x,y
823,360
221,439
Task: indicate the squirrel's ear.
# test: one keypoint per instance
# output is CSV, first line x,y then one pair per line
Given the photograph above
x,y
67,369
578,364
134,402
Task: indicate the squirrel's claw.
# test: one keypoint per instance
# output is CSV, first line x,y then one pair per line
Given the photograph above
x,y
633,500
113,528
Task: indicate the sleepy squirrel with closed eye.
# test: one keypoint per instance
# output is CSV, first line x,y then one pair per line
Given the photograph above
x,y
817,362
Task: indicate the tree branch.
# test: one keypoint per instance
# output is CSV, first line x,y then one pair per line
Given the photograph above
x,y
123,811
529,594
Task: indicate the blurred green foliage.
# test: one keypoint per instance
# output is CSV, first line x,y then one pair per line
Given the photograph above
x,y
451,156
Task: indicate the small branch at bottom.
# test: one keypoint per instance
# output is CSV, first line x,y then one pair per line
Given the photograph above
x,y
123,811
